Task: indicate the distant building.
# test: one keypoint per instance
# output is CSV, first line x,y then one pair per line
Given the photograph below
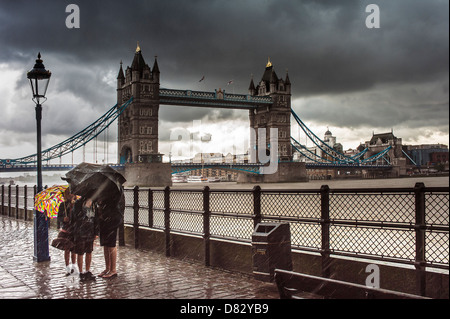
x,y
330,140
428,154
217,158
438,158
380,142
208,158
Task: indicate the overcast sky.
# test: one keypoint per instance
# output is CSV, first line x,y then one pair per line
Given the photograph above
x,y
345,76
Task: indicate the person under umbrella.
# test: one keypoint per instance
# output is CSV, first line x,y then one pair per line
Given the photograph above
x,y
64,241
84,234
103,185
57,202
110,218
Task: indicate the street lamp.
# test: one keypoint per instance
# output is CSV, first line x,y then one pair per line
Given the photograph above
x,y
39,78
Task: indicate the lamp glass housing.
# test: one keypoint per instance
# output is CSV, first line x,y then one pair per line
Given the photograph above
x,y
39,78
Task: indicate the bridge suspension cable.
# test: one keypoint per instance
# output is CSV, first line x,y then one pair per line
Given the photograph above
x,y
377,156
338,158
78,140
315,158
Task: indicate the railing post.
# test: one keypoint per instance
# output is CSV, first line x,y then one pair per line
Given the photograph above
x,y
136,216
150,208
167,219
419,191
34,196
25,202
17,201
256,205
9,200
3,200
123,205
206,224
325,225
122,234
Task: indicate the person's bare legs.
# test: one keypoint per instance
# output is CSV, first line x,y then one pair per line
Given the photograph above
x,y
75,268
70,256
67,262
67,257
88,260
80,263
107,262
113,259
112,253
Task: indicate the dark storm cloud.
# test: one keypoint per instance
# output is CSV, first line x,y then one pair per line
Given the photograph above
x,y
403,105
325,45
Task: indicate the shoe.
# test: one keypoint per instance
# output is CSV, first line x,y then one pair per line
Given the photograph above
x,y
69,270
110,276
103,273
75,269
88,276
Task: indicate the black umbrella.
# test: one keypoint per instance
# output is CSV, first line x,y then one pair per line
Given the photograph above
x,y
99,182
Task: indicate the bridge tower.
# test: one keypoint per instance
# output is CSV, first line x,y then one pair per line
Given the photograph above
x,y
138,124
278,115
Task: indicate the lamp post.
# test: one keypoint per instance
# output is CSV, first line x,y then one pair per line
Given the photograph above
x,y
39,78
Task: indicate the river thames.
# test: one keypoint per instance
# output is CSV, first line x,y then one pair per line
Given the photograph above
x,y
316,184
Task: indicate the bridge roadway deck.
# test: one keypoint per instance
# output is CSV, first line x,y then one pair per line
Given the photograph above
x,y
142,274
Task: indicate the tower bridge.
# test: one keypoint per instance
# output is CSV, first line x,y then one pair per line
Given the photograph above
x,y
268,103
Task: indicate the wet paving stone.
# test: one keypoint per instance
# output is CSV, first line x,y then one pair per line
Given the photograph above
x,y
142,274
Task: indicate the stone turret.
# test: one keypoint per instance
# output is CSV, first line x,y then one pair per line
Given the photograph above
x,y
278,115
138,124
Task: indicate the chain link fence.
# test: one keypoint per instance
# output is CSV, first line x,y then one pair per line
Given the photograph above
x,y
380,224
407,225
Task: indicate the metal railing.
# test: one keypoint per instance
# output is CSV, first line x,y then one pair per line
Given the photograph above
x,y
15,196
402,225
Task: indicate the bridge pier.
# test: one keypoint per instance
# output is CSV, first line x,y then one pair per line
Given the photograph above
x,y
287,172
148,174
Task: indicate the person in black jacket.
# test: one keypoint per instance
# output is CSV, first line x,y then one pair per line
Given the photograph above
x,y
110,213
84,234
